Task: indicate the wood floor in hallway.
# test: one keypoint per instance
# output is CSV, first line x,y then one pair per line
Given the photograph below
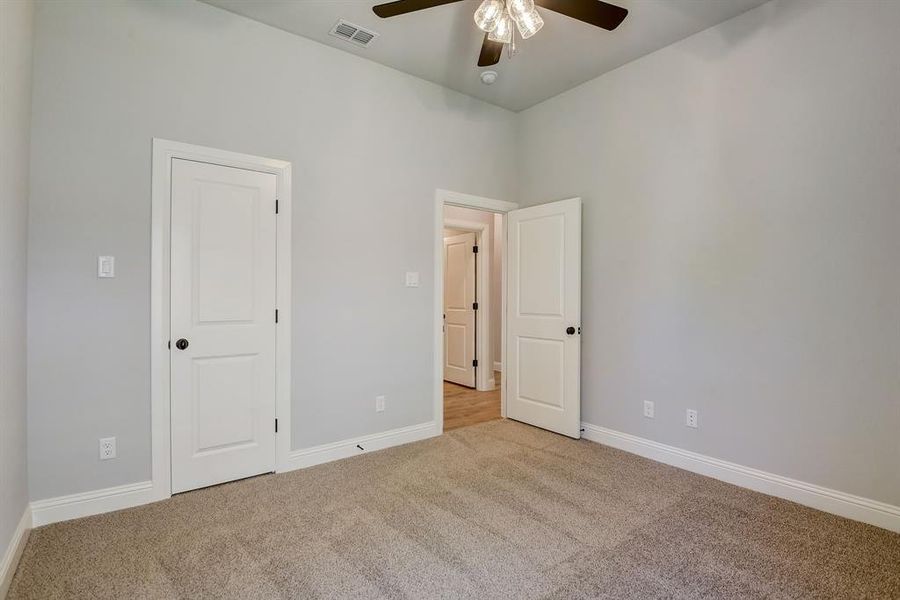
x,y
465,406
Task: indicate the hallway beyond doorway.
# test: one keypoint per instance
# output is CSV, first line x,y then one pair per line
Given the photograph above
x,y
465,406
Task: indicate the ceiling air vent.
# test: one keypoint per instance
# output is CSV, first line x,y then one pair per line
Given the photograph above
x,y
353,33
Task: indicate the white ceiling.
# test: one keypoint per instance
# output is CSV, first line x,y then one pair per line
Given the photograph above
x,y
441,44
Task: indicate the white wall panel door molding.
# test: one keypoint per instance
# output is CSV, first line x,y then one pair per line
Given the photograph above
x,y
543,349
459,309
223,324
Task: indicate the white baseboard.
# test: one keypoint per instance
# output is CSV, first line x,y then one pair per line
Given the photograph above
x,y
299,459
13,551
74,506
498,366
832,501
94,502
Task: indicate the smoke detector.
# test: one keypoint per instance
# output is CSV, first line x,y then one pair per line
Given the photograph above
x,y
488,77
352,33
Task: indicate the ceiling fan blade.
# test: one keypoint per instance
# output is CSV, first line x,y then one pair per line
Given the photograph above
x,y
593,12
490,52
401,7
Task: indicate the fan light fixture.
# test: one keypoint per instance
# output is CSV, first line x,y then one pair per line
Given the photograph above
x,y
519,8
503,31
489,14
505,22
496,18
529,24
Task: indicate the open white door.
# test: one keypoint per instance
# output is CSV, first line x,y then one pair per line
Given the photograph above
x,y
543,328
459,309
223,324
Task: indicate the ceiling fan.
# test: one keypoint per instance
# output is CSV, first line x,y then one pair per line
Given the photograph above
x,y
502,19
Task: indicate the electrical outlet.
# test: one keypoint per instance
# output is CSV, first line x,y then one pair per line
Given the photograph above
x,y
649,409
107,448
691,418
379,403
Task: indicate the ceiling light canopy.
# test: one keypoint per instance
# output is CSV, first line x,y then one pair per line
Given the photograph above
x,y
501,18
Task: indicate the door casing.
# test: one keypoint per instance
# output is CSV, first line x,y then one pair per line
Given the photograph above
x,y
164,151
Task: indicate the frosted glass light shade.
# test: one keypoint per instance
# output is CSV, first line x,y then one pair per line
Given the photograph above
x,y
503,31
519,8
529,24
489,14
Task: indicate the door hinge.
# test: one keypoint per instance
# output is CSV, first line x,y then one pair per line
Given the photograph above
x,y
276,315
276,206
474,306
475,249
475,363
276,425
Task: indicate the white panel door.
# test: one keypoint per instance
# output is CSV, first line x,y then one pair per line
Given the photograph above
x,y
543,369
459,309
223,324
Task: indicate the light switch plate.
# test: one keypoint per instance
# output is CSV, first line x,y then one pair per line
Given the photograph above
x,y
412,279
106,266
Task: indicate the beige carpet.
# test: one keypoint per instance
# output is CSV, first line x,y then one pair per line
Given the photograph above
x,y
498,510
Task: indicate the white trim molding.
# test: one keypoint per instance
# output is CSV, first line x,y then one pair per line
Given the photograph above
x,y
164,151
74,506
831,501
477,202
308,457
95,502
13,552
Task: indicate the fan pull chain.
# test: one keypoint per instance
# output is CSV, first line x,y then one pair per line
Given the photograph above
x,y
513,49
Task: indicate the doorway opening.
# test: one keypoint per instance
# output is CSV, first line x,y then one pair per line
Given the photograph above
x,y
539,312
472,340
458,214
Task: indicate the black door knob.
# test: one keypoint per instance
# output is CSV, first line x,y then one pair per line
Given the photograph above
x,y
570,330
181,344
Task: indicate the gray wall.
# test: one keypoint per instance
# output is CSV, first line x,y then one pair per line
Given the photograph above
x,y
742,239
740,248
16,29
368,144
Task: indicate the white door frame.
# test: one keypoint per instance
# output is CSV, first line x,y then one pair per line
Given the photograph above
x,y
484,377
444,198
164,151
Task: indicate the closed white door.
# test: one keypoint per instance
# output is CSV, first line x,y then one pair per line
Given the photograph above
x,y
459,309
543,368
223,324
